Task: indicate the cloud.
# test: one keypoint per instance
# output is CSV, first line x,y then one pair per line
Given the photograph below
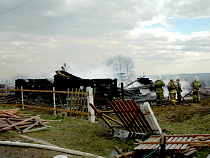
x,y
187,8
39,37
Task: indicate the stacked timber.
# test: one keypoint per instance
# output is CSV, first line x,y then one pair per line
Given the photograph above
x,y
11,119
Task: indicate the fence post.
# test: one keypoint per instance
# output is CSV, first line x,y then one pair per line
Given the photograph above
x,y
54,101
163,145
68,98
90,100
122,90
22,97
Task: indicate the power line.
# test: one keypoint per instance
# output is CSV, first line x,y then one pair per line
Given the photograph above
x,y
16,7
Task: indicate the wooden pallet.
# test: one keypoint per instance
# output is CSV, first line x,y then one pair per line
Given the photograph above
x,y
186,144
132,117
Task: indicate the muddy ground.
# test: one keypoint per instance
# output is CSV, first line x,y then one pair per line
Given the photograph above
x,y
165,115
23,152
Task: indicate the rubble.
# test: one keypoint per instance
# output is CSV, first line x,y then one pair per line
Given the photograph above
x,y
23,123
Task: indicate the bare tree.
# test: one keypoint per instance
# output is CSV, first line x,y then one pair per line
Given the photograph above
x,y
121,64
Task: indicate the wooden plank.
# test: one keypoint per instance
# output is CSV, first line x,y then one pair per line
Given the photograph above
x,y
176,142
101,116
184,135
78,100
123,116
24,123
71,100
167,139
111,111
75,97
135,118
85,99
185,145
70,111
140,116
187,150
39,120
83,102
9,113
8,116
3,123
131,118
125,154
190,152
117,112
37,129
201,138
47,91
18,123
23,127
174,145
139,147
154,146
11,123
198,138
30,126
183,139
113,119
147,146
133,103
169,145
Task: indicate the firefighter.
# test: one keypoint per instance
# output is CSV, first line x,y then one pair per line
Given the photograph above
x,y
196,85
158,86
172,88
179,90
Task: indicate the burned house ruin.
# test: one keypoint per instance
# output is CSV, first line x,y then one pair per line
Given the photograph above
x,y
104,89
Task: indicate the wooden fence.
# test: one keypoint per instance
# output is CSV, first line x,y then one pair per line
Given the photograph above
x,y
75,102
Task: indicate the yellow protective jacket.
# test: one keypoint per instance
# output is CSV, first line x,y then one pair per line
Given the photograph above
x,y
158,85
196,85
172,86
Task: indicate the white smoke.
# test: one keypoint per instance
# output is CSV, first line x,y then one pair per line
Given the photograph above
x,y
99,72
185,85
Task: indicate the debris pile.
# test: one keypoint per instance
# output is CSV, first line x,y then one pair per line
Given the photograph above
x,y
23,123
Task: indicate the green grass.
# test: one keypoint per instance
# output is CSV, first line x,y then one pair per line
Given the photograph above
x,y
78,133
196,125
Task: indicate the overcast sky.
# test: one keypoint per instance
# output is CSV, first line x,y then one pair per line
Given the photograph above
x,y
161,36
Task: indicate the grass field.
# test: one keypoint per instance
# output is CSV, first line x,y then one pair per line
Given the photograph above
x,y
79,134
